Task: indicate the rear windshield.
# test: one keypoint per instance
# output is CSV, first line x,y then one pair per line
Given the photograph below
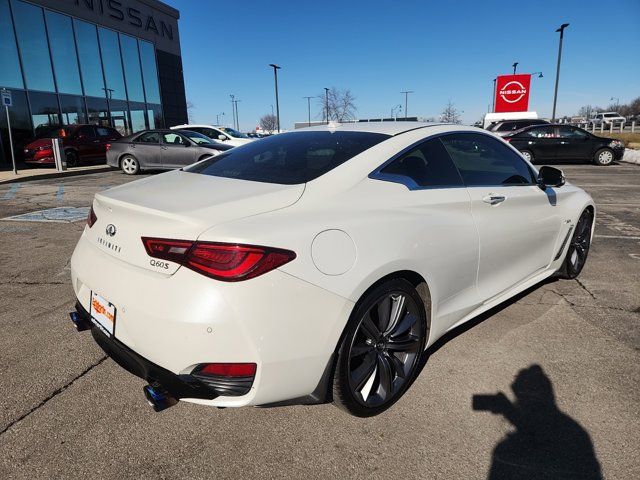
x,y
289,158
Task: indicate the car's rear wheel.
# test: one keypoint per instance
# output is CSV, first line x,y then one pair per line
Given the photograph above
x,y
604,156
72,158
578,248
528,155
130,165
381,349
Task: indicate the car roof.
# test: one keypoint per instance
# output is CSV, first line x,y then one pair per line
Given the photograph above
x,y
388,128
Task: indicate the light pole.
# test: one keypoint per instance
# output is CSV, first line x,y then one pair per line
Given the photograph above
x,y
218,117
237,126
394,109
493,99
308,110
233,109
515,65
275,74
555,92
406,100
537,73
326,103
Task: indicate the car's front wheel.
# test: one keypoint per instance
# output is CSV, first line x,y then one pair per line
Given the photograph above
x,y
604,156
381,349
578,248
130,165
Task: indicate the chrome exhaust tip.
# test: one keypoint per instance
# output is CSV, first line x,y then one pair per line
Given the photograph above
x,y
79,322
158,398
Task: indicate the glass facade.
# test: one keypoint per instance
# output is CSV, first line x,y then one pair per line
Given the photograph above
x,y
62,70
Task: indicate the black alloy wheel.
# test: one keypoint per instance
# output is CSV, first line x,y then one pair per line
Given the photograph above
x,y
579,247
380,354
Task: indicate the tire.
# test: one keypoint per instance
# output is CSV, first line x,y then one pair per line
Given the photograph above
x,y
130,165
604,157
72,158
578,249
528,155
380,352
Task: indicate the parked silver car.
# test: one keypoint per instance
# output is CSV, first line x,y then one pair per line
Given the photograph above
x,y
161,149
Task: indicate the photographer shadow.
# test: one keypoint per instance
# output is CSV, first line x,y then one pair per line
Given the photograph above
x,y
546,443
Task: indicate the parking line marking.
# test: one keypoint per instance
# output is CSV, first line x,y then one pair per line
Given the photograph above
x,y
11,193
617,236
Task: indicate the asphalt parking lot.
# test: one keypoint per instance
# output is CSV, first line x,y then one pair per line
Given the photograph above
x,y
66,411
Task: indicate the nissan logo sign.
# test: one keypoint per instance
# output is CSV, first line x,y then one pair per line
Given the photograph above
x,y
111,230
513,91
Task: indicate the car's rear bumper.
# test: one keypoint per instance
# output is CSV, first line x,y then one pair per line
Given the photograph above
x,y
288,327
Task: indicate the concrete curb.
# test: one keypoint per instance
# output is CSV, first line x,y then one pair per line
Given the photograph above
x,y
55,174
631,156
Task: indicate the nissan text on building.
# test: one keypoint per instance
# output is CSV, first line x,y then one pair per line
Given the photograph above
x,y
104,62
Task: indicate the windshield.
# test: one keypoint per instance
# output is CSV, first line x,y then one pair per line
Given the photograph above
x,y
233,133
196,137
611,115
289,158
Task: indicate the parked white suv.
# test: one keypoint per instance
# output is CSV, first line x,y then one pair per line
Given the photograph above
x,y
223,134
607,118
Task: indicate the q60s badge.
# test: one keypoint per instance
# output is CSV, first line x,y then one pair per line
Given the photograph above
x,y
159,264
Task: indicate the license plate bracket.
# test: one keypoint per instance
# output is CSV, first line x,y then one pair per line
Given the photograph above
x,y
103,314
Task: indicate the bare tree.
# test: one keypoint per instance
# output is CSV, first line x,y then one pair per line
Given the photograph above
x,y
341,104
190,108
269,122
587,111
450,114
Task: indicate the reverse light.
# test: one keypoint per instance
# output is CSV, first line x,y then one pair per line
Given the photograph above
x,y
222,261
91,217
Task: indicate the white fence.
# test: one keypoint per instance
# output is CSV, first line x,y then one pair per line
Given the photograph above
x,y
617,127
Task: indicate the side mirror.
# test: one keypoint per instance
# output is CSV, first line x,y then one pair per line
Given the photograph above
x,y
550,177
222,137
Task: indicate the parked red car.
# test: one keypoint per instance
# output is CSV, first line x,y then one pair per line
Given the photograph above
x,y
81,143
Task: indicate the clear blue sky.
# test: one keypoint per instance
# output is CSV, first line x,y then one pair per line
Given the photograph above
x,y
441,50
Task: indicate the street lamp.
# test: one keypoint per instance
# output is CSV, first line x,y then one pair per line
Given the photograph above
x,y
515,65
394,109
555,92
233,109
406,96
237,126
275,74
218,117
326,102
617,104
537,73
308,110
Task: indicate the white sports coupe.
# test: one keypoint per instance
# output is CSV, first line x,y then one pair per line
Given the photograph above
x,y
318,265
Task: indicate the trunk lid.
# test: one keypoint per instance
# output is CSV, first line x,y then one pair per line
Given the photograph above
x,y
177,205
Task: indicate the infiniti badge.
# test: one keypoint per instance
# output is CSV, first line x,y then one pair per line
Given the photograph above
x,y
111,230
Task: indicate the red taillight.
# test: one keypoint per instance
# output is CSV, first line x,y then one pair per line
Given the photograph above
x,y
506,139
222,261
91,217
228,369
107,146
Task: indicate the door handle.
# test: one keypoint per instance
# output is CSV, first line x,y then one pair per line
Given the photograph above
x,y
96,141
494,199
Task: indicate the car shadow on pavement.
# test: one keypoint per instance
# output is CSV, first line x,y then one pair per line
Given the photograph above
x,y
546,442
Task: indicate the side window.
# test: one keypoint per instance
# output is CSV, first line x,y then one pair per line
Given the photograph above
x,y
428,165
569,132
104,132
506,126
173,139
86,132
149,137
541,132
485,161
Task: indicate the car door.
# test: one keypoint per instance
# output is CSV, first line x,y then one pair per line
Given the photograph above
x,y
87,143
574,143
438,200
518,223
147,149
177,151
543,141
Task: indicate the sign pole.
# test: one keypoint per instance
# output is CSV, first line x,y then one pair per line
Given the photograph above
x,y
13,157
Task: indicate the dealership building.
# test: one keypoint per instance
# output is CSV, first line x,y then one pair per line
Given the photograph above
x,y
103,62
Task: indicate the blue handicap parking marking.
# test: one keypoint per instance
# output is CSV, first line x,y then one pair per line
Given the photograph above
x,y
58,214
60,193
11,193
